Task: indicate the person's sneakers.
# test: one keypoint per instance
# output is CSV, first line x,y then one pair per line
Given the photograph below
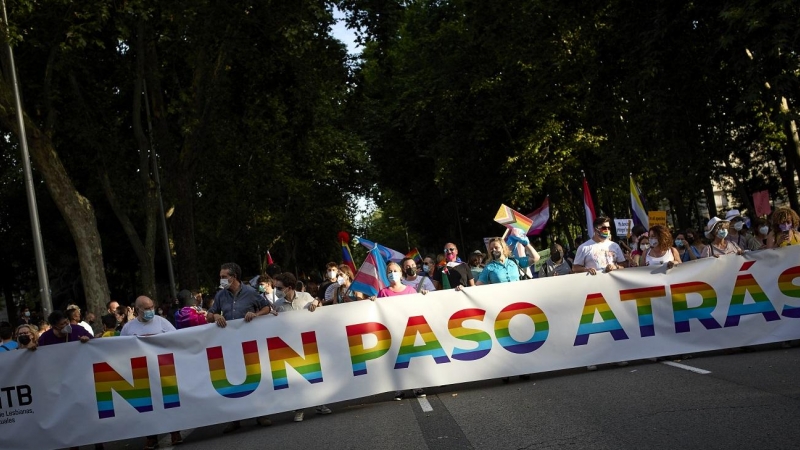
x,y
264,421
322,409
591,368
176,438
419,393
399,395
298,416
151,444
622,363
233,426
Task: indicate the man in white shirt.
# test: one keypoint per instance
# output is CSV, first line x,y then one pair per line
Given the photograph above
x,y
148,323
599,253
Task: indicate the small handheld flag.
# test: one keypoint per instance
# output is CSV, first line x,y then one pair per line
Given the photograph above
x,y
414,254
371,276
512,219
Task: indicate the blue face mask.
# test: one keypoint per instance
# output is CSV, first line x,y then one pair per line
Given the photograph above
x,y
722,234
148,315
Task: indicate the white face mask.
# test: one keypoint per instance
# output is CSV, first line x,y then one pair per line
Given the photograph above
x,y
331,274
644,247
738,226
653,242
224,283
340,280
763,230
394,276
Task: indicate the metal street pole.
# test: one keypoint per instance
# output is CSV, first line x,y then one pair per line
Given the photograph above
x,y
41,263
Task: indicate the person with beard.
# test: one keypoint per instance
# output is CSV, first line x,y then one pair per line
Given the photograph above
x,y
458,275
236,300
555,264
62,331
599,253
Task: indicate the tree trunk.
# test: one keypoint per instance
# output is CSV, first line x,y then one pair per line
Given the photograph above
x,y
76,209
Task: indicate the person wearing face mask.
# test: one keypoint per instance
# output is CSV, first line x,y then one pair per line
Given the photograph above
x,y
428,266
502,267
396,286
761,231
737,232
26,337
24,316
331,274
61,331
420,283
717,231
266,289
341,292
457,273
696,244
235,300
684,250
148,323
661,250
556,264
599,253
784,228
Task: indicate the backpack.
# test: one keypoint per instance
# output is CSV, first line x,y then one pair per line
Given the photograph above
x,y
189,316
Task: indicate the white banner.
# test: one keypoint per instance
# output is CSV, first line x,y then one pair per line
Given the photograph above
x,y
114,388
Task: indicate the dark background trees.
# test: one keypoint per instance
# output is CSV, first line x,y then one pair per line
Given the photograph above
x,y
268,133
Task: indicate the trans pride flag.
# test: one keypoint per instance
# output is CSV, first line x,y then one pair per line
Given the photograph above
x,y
388,253
371,277
638,206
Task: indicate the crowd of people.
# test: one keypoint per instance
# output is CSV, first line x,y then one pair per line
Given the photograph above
x,y
276,292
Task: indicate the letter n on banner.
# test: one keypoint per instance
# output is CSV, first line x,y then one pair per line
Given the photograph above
x,y
417,325
682,312
219,377
609,324
138,395
281,355
359,355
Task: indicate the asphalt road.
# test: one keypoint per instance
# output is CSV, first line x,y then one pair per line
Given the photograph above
x,y
747,400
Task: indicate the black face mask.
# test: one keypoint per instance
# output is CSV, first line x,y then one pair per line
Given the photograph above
x,y
690,240
411,271
555,256
24,340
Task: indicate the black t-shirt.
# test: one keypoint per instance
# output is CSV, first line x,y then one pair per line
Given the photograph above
x,y
322,288
460,274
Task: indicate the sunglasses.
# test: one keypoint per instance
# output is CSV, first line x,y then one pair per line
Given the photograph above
x,y
603,228
450,250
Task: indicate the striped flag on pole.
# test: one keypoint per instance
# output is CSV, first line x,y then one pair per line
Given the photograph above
x,y
371,277
588,206
638,206
388,253
539,218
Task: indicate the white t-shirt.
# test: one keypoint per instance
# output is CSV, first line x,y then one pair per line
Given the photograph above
x,y
597,255
427,284
86,327
136,327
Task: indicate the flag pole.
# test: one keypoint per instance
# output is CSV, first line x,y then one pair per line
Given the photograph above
x,y
33,210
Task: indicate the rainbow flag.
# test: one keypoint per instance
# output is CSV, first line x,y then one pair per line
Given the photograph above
x,y
513,220
347,257
414,254
638,206
371,276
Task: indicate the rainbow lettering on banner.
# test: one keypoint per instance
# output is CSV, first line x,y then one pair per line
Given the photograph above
x,y
747,283
281,355
359,355
138,395
610,324
431,346
644,307
169,381
789,289
458,331
682,312
541,327
219,378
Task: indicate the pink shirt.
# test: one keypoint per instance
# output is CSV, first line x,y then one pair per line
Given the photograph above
x,y
387,292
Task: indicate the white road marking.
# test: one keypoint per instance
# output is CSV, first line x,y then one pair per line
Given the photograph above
x,y
685,367
425,404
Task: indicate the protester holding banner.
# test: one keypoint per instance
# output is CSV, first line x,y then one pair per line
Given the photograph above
x,y
717,231
62,331
420,283
331,272
452,273
502,267
685,251
296,301
737,233
661,250
27,338
342,292
555,264
600,252
396,286
784,228
761,231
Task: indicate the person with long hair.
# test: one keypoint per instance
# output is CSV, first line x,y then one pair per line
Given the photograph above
x,y
661,250
27,338
502,267
784,228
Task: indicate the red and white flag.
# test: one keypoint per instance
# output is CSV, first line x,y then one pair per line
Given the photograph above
x,y
588,206
540,218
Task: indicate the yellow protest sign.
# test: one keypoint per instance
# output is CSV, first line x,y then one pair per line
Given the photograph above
x,y
657,218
